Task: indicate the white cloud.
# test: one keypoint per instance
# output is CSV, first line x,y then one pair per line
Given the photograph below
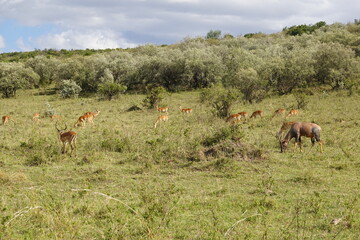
x,y
73,39
114,23
2,42
22,45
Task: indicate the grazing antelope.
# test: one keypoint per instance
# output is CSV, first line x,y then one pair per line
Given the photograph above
x,y
161,118
300,129
94,114
67,137
256,113
233,118
279,112
185,110
243,114
293,112
55,117
5,119
162,109
285,127
81,121
36,117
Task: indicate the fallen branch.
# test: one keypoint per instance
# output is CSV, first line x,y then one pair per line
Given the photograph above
x,y
241,220
20,213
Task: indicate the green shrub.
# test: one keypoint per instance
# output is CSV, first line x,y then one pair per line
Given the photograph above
x,y
110,89
69,89
154,97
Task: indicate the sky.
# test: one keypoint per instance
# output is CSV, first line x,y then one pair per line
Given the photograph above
x,y
26,25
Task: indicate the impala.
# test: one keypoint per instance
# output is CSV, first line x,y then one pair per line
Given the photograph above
x,y
293,112
36,117
67,137
162,109
94,114
234,118
243,114
81,121
279,112
185,110
161,118
5,119
55,117
256,113
302,129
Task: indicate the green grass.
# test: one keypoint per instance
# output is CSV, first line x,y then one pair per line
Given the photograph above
x,y
193,177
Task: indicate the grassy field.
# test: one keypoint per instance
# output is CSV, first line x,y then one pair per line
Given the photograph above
x,y
193,177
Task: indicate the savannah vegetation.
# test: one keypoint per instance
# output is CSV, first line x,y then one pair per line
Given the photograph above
x,y
194,176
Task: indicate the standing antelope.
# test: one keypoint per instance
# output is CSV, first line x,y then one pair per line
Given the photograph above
x,y
256,113
243,114
299,129
36,117
162,109
67,137
279,112
161,118
5,119
185,110
293,112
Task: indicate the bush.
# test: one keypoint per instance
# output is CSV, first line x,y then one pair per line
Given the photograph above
x,y
301,100
220,98
69,89
110,89
154,97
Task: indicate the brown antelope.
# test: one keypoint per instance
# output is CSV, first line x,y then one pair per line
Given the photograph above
x,y
161,118
233,118
185,110
55,117
293,112
284,127
67,137
162,109
5,119
243,114
300,129
36,117
81,121
279,112
94,114
256,113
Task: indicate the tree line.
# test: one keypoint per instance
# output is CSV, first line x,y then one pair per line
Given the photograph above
x,y
255,65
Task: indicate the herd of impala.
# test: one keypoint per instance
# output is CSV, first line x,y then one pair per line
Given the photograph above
x,y
294,129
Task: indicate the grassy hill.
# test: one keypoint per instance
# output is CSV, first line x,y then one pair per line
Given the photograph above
x,y
193,177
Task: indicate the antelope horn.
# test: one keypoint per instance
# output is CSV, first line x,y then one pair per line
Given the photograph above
x,y
57,127
65,126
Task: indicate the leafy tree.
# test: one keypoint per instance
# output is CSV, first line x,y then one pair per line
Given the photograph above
x,y
334,65
213,34
301,29
14,76
251,85
44,67
69,89
220,99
